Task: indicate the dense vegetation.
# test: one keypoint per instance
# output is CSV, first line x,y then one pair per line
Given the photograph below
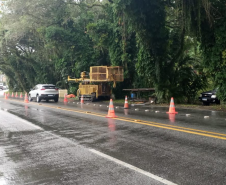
x,y
176,46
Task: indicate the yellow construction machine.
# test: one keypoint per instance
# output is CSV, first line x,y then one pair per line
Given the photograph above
x,y
96,84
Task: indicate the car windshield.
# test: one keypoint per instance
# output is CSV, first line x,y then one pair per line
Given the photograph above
x,y
48,87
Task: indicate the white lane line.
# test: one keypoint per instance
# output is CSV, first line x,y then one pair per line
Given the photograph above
x,y
164,181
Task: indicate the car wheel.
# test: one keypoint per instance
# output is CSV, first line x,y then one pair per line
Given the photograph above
x,y
218,102
56,99
205,103
38,99
29,98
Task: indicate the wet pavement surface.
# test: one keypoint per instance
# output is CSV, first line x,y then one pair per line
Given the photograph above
x,y
53,143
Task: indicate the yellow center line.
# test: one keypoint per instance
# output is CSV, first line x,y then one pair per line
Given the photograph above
x,y
148,123
181,130
191,129
155,124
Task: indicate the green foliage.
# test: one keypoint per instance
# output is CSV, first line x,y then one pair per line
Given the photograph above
x,y
162,57
213,43
174,46
73,89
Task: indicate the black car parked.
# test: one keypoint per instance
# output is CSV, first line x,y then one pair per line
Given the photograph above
x,y
209,97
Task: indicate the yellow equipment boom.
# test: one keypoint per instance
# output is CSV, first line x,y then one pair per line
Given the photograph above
x,y
97,84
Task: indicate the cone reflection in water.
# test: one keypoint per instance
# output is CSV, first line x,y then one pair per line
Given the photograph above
x,y
172,118
111,125
111,111
111,129
126,111
26,110
172,107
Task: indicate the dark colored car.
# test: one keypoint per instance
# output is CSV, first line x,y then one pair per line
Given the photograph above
x,y
209,97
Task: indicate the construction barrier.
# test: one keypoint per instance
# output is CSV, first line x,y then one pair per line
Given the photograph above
x,y
62,92
126,105
65,98
172,107
21,96
111,111
26,99
82,100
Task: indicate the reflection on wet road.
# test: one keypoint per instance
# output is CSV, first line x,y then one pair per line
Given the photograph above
x,y
57,149
30,155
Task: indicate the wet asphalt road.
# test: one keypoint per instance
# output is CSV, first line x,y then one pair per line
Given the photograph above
x,y
53,143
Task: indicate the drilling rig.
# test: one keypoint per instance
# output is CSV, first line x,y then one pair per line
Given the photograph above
x,y
96,84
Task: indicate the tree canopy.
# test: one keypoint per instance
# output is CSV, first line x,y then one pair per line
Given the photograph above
x,y
176,46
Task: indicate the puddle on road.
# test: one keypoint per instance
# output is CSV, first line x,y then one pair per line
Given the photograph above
x,y
2,179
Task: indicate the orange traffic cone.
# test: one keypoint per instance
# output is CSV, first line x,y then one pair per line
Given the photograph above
x,y
21,96
16,96
172,107
126,105
82,100
65,98
111,111
12,95
26,99
6,97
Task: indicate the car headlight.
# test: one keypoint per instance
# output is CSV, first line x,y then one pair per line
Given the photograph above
x,y
213,96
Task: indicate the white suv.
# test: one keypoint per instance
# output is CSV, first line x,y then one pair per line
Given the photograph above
x,y
44,92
